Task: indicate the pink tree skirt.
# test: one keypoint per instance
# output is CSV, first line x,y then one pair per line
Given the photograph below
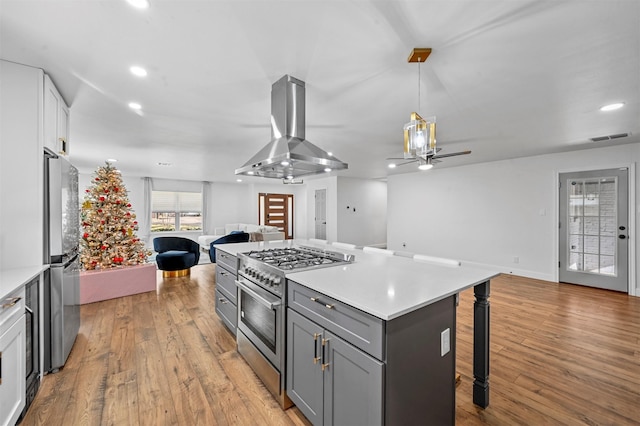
x,y
109,284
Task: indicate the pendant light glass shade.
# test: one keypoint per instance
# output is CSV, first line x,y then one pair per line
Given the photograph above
x,y
419,136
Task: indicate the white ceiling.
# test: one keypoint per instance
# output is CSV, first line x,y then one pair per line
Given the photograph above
x,y
505,79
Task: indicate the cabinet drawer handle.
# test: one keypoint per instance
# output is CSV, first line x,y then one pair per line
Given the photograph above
x,y
10,302
317,300
224,274
324,364
223,301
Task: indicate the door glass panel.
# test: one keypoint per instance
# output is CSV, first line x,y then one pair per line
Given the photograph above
x,y
607,265
575,262
592,225
575,243
608,245
608,226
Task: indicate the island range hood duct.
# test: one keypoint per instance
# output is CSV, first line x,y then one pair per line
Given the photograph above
x,y
289,155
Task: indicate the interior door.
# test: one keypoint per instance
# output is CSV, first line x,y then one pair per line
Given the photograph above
x,y
594,229
321,214
277,210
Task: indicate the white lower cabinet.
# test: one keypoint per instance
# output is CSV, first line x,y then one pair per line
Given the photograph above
x,y
12,358
331,381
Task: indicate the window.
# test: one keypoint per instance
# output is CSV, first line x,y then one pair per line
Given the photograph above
x,y
173,210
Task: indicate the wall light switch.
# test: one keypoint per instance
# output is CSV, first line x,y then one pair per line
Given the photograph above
x,y
445,342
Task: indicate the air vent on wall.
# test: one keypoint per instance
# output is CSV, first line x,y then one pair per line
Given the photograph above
x,y
610,137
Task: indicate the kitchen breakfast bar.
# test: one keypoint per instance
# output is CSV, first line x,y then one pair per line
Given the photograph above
x,y
373,341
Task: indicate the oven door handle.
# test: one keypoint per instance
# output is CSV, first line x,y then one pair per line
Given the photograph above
x,y
258,297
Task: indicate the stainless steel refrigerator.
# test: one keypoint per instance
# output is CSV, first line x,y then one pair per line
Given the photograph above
x,y
62,280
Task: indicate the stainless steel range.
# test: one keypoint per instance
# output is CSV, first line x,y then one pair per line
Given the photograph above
x,y
261,307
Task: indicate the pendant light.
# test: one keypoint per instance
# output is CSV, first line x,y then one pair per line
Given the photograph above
x,y
419,133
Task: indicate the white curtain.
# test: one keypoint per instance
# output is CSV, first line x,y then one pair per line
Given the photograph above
x,y
144,222
206,194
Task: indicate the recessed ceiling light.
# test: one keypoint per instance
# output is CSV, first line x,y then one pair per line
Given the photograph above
x,y
284,163
138,71
250,173
111,160
135,105
392,166
327,170
330,154
139,4
238,180
425,166
612,107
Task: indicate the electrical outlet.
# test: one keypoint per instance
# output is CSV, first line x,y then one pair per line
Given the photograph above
x,y
445,342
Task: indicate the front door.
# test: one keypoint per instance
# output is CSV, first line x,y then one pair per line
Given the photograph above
x,y
594,231
276,210
321,214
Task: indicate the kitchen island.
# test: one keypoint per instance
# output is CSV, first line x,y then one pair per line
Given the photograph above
x,y
390,321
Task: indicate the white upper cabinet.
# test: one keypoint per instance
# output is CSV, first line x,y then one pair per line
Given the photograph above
x,y
56,119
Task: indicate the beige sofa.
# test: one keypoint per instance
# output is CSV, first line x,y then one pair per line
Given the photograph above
x,y
256,233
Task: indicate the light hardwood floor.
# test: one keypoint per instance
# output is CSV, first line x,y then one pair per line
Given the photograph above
x,y
560,355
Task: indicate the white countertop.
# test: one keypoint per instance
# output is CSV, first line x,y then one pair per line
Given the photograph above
x,y
13,278
384,286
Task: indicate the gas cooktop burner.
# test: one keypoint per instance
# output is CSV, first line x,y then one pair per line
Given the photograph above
x,y
288,259
267,268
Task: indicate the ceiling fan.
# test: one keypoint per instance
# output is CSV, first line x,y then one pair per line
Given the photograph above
x,y
420,144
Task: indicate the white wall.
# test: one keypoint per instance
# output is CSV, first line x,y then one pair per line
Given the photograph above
x,y
489,213
238,203
362,212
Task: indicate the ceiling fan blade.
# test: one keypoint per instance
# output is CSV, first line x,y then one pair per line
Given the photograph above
x,y
406,162
397,158
453,154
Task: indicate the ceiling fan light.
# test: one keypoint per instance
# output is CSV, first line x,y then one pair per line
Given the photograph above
x,y
419,136
425,166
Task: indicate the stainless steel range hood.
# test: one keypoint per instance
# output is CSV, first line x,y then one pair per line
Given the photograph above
x,y
289,155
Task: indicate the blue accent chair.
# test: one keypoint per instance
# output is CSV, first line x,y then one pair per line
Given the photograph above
x,y
234,237
176,255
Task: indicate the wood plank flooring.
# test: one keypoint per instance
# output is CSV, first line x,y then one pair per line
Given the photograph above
x,y
560,354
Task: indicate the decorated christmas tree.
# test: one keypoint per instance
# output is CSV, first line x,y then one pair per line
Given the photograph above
x,y
108,224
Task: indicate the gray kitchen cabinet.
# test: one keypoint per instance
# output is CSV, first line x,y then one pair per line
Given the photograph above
x,y
395,372
226,303
331,381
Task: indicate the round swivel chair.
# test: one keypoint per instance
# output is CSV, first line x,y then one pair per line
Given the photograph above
x,y
176,255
